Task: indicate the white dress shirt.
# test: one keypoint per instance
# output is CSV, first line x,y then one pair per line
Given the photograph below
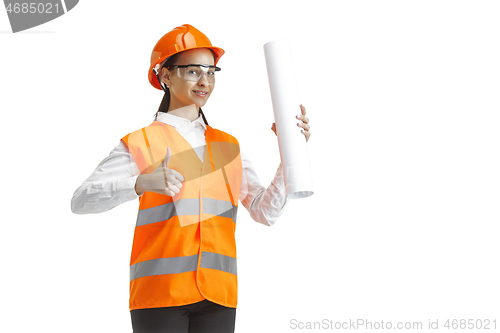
x,y
113,181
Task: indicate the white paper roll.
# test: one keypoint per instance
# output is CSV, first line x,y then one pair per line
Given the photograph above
x,y
286,105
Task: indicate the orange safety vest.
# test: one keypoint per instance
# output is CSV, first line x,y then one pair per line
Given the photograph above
x,y
184,248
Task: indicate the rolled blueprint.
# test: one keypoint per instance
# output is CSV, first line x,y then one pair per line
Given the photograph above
x,y
286,105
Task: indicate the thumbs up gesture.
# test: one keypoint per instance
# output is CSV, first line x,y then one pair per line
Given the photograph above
x,y
163,180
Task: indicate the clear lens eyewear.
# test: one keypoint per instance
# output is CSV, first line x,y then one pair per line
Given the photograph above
x,y
194,72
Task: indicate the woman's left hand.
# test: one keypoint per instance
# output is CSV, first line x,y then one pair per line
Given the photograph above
x,y
305,123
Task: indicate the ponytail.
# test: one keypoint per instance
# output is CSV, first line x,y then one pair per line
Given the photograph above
x,y
165,103
203,116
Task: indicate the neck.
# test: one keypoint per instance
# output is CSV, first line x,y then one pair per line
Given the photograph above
x,y
190,112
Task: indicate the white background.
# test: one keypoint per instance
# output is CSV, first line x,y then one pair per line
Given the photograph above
x,y
403,101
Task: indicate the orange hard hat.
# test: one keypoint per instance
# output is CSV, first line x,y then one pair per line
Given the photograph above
x,y
183,38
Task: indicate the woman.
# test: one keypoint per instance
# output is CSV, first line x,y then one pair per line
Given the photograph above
x,y
189,178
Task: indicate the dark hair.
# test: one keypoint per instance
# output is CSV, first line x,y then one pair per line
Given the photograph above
x,y
165,102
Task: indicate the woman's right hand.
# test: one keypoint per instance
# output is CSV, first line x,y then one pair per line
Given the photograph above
x,y
163,180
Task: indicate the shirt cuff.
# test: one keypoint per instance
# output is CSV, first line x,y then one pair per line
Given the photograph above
x,y
126,188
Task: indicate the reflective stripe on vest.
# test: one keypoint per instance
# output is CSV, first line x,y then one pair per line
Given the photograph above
x,y
218,261
164,266
178,265
186,207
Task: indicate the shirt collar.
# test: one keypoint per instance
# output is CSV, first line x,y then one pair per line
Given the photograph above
x,y
177,121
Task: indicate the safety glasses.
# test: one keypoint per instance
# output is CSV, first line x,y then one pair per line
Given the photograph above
x,y
194,72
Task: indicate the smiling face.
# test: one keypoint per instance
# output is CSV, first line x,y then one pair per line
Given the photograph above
x,y
182,92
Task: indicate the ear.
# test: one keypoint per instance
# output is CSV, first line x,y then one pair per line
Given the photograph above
x,y
165,76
